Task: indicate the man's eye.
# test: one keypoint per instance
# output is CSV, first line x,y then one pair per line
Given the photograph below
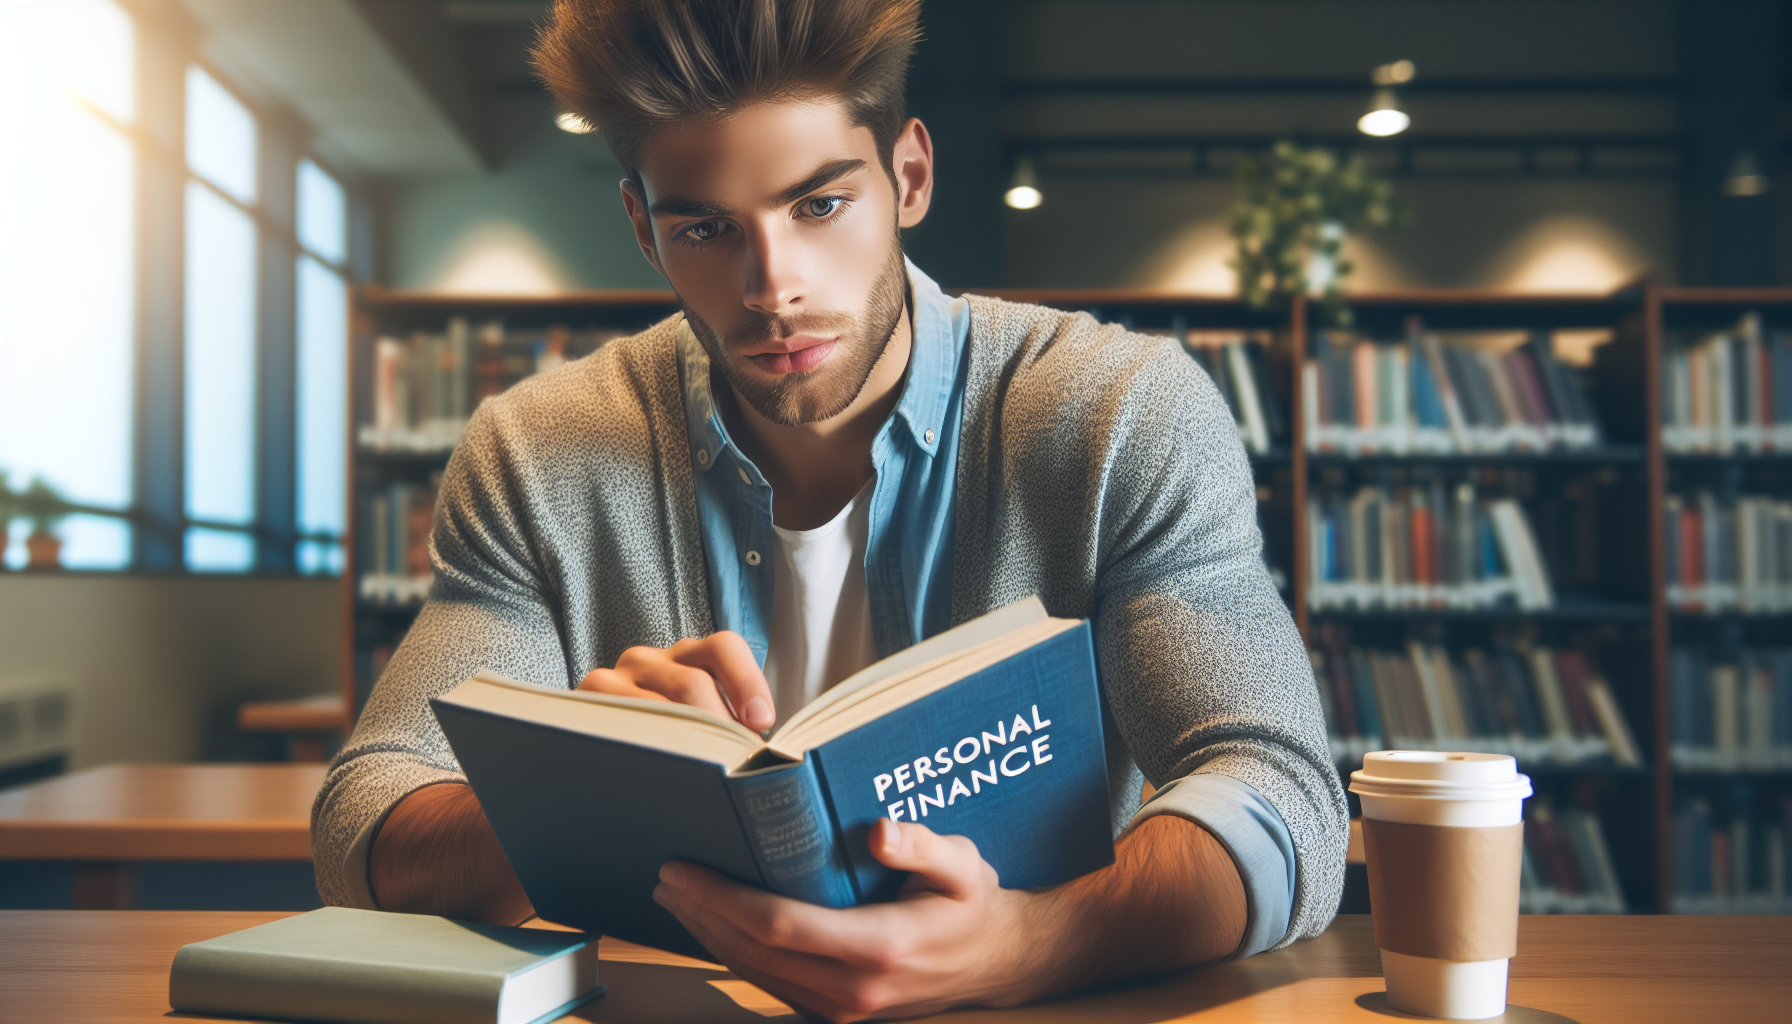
x,y
704,232
823,206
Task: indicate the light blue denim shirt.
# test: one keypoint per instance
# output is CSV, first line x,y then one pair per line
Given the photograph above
x,y
908,557
908,567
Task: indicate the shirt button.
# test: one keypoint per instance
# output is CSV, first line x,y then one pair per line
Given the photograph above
x,y
752,558
702,456
744,478
928,437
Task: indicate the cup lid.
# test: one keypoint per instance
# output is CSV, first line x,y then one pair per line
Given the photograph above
x,y
1441,773
1440,766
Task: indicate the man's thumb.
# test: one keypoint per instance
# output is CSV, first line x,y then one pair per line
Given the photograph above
x,y
945,864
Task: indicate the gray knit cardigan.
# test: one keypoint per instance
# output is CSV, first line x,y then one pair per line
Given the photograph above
x,y
1098,469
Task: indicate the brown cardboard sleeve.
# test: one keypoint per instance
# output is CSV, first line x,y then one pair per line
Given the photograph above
x,y
1445,893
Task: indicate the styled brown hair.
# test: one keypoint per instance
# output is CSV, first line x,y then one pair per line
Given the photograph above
x,y
633,67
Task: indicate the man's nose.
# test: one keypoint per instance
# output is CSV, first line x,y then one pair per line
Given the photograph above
x,y
774,281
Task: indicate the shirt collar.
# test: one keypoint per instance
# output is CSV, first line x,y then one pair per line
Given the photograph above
x,y
926,392
933,360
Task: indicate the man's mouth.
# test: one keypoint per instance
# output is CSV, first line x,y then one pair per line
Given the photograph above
x,y
796,354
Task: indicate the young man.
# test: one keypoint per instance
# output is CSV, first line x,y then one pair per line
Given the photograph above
x,y
822,461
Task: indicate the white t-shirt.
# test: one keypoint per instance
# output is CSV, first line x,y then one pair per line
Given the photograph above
x,y
821,613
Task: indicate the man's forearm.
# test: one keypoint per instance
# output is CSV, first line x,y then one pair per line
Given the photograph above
x,y
1172,899
437,854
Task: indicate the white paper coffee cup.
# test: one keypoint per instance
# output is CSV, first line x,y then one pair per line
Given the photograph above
x,y
1443,835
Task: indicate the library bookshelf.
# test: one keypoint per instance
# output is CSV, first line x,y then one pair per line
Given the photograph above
x,y
1595,513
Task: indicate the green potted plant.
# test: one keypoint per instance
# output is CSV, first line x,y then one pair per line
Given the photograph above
x,y
1295,208
43,508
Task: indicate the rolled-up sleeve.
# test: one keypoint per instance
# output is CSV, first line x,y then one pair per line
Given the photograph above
x,y
1251,830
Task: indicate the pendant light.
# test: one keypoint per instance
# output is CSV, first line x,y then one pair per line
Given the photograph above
x,y
1023,193
1384,116
1745,177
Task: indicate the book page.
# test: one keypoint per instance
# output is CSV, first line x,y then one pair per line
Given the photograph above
x,y
884,696
662,725
951,643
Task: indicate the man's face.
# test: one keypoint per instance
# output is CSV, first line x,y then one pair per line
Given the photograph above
x,y
777,227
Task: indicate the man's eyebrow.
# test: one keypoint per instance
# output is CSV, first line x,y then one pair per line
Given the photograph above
x,y
829,172
673,206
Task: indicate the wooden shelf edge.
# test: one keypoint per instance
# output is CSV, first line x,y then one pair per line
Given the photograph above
x,y
155,840
378,295
1726,296
330,714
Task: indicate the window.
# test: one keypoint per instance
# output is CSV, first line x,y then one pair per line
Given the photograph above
x,y
322,399
221,338
67,306
221,137
220,376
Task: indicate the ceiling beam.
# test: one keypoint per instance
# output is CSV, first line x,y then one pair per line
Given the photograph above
x,y
1331,84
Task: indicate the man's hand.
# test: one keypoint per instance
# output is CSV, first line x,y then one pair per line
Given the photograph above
x,y
954,937
717,673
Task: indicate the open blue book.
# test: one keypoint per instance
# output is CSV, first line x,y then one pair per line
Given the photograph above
x,y
991,730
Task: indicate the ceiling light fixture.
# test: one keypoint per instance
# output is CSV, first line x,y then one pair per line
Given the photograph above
x,y
1024,193
570,122
1745,178
1385,117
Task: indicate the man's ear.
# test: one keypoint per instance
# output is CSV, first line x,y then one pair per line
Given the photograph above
x,y
912,161
636,206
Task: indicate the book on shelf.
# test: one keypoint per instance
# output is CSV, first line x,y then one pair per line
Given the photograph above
x,y
1728,391
1734,866
991,730
1728,553
340,964
422,390
1238,364
1567,866
1422,394
1422,546
1541,705
1732,711
395,567
426,386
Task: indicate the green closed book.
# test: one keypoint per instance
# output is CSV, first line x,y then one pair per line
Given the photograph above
x,y
338,964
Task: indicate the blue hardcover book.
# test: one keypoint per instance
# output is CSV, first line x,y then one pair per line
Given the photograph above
x,y
991,730
1428,408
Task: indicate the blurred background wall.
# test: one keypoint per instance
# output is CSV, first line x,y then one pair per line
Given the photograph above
x,y
157,667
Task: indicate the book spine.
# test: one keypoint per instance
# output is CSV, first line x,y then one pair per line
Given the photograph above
x,y
1309,404
238,983
1611,721
1369,704
1338,671
793,834
1256,428
1782,390
1550,700
1399,399
1267,399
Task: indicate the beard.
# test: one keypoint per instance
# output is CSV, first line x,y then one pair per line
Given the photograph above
x,y
796,398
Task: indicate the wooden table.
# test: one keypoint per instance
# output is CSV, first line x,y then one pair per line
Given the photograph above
x,y
110,818
107,967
